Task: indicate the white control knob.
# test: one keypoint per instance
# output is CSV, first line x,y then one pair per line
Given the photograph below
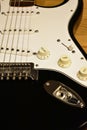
x,y
43,53
64,61
82,73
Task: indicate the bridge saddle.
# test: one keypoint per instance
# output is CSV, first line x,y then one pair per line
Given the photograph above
x,y
18,71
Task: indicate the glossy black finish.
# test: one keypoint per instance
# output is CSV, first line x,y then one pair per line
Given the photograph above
x,y
26,105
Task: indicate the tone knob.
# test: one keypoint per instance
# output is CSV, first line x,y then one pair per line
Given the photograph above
x,y
43,53
64,61
82,73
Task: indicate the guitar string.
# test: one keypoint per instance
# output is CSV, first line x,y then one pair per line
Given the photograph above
x,y
4,30
14,34
12,45
9,32
3,38
19,36
24,57
24,33
29,33
13,39
22,17
29,28
13,50
19,32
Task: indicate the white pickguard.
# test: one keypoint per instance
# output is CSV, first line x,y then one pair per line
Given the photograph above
x,y
40,27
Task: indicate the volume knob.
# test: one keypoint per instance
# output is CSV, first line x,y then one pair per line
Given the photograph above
x,y
43,53
64,61
82,73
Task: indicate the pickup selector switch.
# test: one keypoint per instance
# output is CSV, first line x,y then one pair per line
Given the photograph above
x,y
43,53
82,73
64,61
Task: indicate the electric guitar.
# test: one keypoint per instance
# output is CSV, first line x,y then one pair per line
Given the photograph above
x,y
43,69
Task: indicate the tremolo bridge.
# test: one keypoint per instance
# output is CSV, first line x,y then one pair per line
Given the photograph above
x,y
18,71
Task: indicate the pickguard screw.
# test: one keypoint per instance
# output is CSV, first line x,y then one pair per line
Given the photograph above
x,y
37,65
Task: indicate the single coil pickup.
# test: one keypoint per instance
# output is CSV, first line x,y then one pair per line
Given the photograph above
x,y
20,12
18,71
21,3
17,31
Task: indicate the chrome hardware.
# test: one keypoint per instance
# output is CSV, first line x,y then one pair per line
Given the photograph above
x,y
64,93
67,96
18,71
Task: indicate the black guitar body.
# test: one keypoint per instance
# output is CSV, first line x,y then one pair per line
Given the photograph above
x,y
26,105
29,104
